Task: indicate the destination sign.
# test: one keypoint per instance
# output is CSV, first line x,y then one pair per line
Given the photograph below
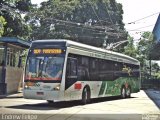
x,y
47,51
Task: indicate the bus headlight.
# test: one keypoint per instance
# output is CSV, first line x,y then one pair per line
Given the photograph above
x,y
57,87
26,86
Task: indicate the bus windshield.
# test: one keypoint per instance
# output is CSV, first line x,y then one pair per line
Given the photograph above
x,y
44,68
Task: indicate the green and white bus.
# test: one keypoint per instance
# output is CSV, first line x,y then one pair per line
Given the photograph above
x,y
63,70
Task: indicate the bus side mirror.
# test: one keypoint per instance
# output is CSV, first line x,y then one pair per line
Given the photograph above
x,y
71,72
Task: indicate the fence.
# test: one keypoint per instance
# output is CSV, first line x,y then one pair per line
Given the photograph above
x,y
150,84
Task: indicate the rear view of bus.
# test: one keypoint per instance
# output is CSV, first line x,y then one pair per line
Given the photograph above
x,y
44,70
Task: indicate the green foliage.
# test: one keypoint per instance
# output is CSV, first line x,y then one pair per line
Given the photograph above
x,y
130,48
144,52
144,47
86,21
2,24
12,12
157,75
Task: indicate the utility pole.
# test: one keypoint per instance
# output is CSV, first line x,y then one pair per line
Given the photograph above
x,y
150,66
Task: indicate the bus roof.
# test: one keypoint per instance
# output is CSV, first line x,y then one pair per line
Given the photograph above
x,y
70,43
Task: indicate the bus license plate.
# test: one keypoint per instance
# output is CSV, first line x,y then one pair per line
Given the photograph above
x,y
40,93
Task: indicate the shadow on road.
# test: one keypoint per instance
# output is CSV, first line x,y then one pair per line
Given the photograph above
x,y
64,104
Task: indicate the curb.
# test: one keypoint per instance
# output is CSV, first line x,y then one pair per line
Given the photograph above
x,y
17,95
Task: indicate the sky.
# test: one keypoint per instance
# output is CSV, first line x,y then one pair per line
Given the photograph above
x,y
138,9
135,10
37,1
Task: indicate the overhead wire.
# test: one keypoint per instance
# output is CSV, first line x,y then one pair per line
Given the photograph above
x,y
141,27
117,10
96,16
133,22
93,28
110,18
137,30
108,14
80,25
88,28
97,27
94,12
96,37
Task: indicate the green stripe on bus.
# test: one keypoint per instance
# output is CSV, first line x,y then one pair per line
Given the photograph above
x,y
103,85
114,87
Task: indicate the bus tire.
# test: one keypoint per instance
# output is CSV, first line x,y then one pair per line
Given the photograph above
x,y
50,101
85,95
128,92
123,92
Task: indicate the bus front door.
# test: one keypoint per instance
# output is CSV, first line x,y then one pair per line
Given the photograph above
x,y
71,72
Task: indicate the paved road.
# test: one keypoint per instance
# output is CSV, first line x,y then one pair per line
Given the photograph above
x,y
154,95
138,107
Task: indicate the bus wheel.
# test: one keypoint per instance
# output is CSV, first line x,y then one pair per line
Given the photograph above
x,y
128,92
123,92
85,95
50,101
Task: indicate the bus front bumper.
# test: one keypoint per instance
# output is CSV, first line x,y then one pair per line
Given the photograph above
x,y
42,95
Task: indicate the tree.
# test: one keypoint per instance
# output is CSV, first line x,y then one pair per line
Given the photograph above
x,y
11,11
144,50
2,24
86,21
155,66
144,47
130,48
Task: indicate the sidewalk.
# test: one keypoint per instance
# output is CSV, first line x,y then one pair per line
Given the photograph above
x,y
15,95
154,95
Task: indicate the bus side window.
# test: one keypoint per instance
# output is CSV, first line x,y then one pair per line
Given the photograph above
x,y
71,68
